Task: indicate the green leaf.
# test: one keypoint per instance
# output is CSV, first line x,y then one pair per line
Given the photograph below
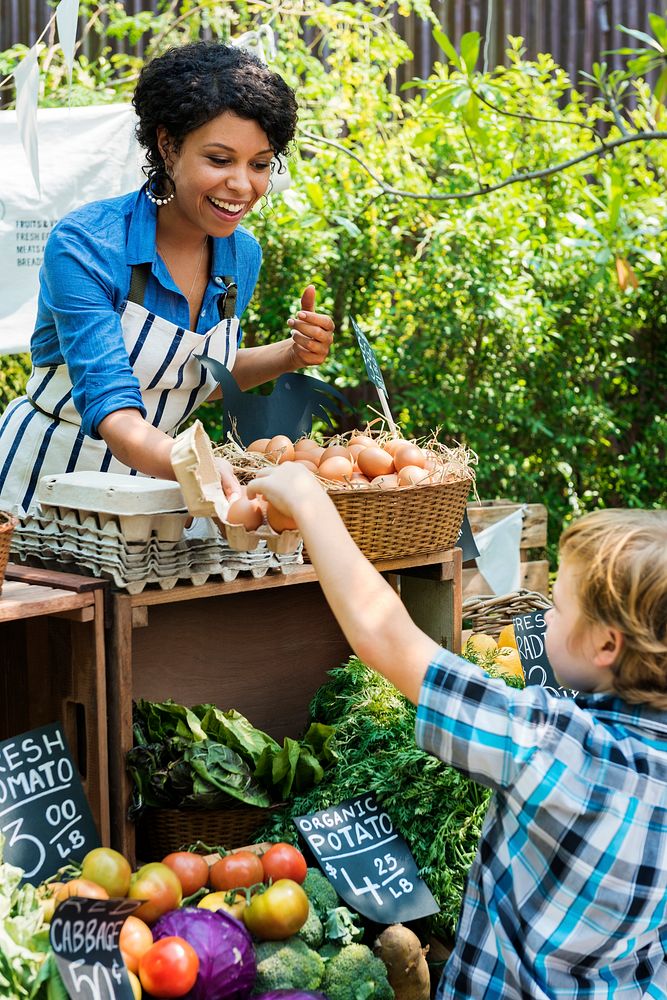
x,y
661,86
315,194
350,227
447,47
641,36
470,49
235,731
659,25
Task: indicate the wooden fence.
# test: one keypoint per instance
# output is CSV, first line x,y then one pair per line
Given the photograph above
x,y
575,32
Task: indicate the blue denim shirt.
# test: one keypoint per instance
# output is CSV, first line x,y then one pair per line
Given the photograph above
x,y
84,283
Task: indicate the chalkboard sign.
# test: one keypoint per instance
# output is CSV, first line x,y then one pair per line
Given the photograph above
x,y
372,367
530,631
466,540
367,861
44,814
84,936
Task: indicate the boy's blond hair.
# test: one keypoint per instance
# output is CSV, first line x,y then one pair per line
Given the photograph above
x,y
619,558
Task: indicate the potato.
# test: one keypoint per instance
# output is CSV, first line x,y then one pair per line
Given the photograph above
x,y
407,970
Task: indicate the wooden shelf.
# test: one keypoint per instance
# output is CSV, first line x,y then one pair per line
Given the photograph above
x,y
27,600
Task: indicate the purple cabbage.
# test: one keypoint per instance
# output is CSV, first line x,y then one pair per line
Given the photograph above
x,y
227,968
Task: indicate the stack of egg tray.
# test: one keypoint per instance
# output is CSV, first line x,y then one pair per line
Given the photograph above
x,y
133,550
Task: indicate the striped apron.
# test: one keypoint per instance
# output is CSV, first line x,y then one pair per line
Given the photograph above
x,y
40,433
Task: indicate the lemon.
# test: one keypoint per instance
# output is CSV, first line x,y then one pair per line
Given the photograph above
x,y
135,984
508,661
481,643
507,637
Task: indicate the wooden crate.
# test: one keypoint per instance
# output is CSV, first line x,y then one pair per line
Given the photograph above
x,y
534,565
52,669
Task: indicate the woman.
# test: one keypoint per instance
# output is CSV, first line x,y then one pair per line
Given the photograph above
x,y
133,289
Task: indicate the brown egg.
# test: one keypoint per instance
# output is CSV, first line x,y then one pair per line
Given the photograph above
x,y
305,444
308,465
408,454
388,482
315,454
258,445
279,521
412,475
245,512
375,462
359,438
393,444
354,450
280,449
337,469
334,450
360,479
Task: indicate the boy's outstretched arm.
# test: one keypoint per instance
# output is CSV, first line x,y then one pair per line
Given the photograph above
x,y
371,615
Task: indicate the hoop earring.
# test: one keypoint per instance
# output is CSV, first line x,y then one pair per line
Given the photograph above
x,y
155,196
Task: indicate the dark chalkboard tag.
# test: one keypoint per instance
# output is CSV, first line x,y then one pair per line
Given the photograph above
x,y
44,813
367,861
466,541
374,373
368,354
84,937
529,631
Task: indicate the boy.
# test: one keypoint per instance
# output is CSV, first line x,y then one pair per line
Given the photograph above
x,y
567,896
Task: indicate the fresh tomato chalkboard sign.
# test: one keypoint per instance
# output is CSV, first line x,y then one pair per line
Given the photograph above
x,y
44,813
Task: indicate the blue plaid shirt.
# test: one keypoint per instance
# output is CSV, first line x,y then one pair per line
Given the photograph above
x,y
85,280
567,896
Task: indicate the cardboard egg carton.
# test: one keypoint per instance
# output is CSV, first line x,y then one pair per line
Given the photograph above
x,y
194,466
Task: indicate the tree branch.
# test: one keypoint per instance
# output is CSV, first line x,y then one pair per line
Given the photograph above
x,y
529,175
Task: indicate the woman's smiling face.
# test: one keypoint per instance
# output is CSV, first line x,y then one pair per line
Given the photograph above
x,y
221,170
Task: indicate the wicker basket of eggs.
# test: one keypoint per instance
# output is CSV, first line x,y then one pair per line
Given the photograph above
x,y
397,497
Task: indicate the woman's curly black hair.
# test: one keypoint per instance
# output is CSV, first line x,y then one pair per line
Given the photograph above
x,y
189,85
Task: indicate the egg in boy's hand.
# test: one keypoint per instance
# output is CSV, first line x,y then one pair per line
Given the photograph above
x,y
286,487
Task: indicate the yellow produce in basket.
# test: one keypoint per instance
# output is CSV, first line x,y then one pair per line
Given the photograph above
x,y
508,661
481,643
507,637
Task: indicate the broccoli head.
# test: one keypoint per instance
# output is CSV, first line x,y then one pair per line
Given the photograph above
x,y
320,892
312,931
289,964
355,973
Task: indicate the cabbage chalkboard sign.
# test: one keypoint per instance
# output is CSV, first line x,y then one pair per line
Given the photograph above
x,y
367,861
84,937
44,814
530,631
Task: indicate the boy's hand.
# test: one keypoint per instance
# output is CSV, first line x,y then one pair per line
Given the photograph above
x,y
312,332
286,487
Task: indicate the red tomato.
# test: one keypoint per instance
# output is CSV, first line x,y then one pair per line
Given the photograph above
x,y
135,940
159,887
284,861
190,869
277,913
169,968
236,871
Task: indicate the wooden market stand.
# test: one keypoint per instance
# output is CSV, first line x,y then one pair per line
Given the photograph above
x,y
52,669
260,646
75,651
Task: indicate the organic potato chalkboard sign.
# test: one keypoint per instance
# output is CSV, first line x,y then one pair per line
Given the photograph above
x,y
367,861
530,631
84,936
44,814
